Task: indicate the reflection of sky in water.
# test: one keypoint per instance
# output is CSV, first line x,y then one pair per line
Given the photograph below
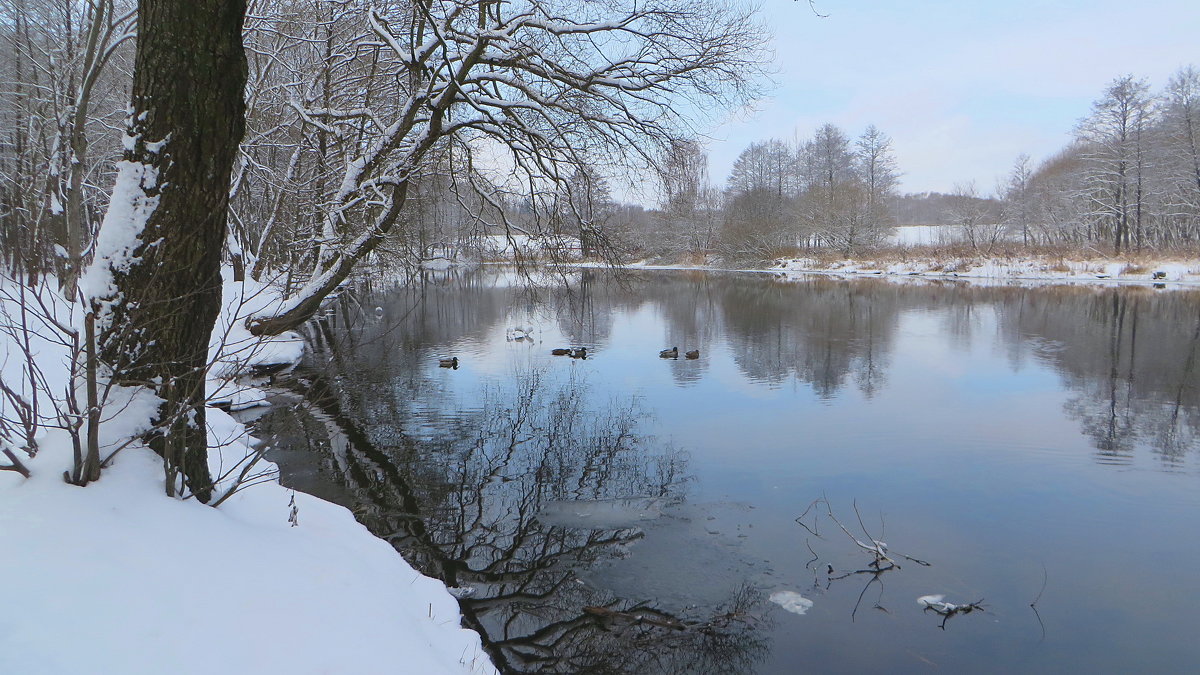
x,y
964,451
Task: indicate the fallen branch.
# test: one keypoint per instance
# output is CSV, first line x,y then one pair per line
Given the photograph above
x,y
939,606
882,559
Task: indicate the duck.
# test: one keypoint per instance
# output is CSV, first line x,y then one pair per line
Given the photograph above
x,y
562,351
451,362
580,353
694,354
672,353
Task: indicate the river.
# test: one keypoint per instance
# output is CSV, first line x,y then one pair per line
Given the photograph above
x,y
1029,453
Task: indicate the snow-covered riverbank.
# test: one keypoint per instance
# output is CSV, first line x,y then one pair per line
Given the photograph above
x,y
118,578
1172,273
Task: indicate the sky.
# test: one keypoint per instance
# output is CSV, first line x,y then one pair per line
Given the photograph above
x,y
962,87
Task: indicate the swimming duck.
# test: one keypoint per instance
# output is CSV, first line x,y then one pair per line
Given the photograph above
x,y
580,353
561,352
694,354
448,363
672,353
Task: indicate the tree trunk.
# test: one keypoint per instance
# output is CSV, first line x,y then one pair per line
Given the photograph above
x,y
187,119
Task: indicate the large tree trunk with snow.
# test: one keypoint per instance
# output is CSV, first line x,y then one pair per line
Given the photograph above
x,y
163,237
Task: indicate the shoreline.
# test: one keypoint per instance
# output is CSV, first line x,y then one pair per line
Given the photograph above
x,y
1179,274
118,577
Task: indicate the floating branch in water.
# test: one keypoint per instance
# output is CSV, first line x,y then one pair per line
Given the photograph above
x,y
878,549
882,559
938,605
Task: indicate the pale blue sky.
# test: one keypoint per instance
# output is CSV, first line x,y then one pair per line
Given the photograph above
x,y
961,87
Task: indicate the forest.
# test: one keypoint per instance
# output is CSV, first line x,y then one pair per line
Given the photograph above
x,y
326,90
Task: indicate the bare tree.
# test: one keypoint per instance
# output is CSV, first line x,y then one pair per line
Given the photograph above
x,y
1181,165
525,93
1115,134
59,95
981,227
833,199
876,166
1018,197
687,218
760,187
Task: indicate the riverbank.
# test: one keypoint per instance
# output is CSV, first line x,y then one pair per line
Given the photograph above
x,y
935,264
118,578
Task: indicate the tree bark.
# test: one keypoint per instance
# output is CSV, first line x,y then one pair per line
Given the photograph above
x,y
187,119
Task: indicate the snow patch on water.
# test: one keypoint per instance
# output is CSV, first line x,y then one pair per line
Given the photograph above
x,y
792,601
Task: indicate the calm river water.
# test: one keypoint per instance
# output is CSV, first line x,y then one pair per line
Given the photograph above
x,y
624,513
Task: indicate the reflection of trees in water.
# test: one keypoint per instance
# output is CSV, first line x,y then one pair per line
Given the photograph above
x,y
819,331
462,503
463,506
1130,358
1129,355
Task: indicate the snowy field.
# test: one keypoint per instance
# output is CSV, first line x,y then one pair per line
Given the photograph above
x,y
117,577
505,247
925,235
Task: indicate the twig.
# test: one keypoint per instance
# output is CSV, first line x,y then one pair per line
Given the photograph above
x,y
810,550
16,464
1045,578
1033,605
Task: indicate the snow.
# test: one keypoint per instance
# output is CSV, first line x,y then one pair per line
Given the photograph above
x,y
119,578
925,235
120,233
1179,273
791,601
437,264
937,603
506,246
1033,268
232,347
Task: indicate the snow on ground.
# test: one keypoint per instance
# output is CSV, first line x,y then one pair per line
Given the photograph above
x,y
1172,272
925,235
504,247
118,578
